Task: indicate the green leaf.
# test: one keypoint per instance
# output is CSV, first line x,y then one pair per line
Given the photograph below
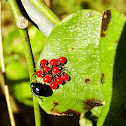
x,y
113,65
89,56
16,71
77,38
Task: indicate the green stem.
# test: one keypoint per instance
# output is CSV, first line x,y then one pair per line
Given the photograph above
x,y
37,112
27,51
28,55
46,11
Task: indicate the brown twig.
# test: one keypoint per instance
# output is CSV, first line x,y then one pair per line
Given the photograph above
x,y
11,116
6,91
1,49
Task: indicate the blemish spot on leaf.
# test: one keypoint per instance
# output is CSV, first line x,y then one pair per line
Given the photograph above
x,y
90,14
102,78
117,41
105,21
55,104
91,103
72,48
70,112
66,113
87,81
53,110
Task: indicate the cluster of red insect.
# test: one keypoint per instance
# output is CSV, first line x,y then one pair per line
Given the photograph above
x,y
52,71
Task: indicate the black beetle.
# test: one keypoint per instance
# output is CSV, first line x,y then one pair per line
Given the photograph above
x,y
41,89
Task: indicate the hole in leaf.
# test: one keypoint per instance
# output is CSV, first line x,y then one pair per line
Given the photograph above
x,y
87,81
102,78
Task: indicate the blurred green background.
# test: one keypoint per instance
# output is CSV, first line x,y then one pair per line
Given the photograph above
x,y
16,67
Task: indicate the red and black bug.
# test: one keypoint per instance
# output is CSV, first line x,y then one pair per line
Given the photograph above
x,y
52,72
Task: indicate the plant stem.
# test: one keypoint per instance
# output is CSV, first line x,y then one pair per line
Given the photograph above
x,y
27,51
37,112
46,11
28,54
